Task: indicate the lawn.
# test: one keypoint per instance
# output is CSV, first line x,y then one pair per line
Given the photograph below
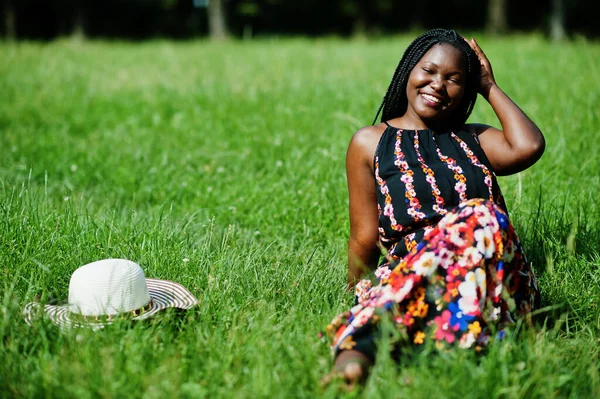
x,y
221,166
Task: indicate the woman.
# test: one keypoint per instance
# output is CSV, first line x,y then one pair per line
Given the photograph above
x,y
422,187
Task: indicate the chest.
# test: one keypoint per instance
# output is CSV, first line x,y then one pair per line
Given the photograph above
x,y
431,172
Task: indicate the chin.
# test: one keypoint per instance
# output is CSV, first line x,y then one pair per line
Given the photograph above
x,y
437,122
436,119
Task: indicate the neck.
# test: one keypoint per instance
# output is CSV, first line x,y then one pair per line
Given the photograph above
x,y
404,122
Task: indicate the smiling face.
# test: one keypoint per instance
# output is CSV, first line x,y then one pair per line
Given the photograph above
x,y
436,86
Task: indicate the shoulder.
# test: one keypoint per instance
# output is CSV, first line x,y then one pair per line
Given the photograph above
x,y
487,136
478,128
366,139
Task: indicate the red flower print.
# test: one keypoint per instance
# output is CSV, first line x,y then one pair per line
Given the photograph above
x,y
451,291
444,329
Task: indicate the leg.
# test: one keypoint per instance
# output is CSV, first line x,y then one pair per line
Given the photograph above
x,y
466,273
352,367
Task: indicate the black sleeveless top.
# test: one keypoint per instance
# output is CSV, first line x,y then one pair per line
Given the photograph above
x,y
420,176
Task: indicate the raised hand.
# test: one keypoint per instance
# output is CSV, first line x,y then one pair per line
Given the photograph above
x,y
487,80
519,143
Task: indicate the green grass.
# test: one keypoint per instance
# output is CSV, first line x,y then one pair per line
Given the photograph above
x,y
231,156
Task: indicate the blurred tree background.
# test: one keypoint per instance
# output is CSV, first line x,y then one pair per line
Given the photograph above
x,y
219,19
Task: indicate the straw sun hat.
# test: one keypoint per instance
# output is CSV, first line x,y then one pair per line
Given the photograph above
x,y
109,289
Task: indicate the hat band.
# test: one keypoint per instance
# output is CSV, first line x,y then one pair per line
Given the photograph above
x,y
107,318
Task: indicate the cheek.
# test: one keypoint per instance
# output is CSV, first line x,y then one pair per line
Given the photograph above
x,y
456,93
415,79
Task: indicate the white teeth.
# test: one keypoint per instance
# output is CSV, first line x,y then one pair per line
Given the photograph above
x,y
432,98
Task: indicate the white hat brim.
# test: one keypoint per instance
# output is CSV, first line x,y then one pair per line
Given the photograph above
x,y
163,294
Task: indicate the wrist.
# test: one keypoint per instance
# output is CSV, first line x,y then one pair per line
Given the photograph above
x,y
487,89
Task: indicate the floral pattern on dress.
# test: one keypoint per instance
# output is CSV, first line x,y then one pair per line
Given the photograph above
x,y
466,275
438,199
475,161
388,208
460,180
420,176
413,207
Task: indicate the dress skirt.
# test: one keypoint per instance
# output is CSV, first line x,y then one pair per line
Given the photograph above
x,y
462,285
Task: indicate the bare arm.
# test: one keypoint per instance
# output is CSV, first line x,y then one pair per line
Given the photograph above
x,y
363,253
520,143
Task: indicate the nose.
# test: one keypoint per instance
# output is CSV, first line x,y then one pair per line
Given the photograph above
x,y
436,83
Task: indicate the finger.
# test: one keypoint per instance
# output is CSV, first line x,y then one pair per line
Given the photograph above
x,y
470,43
478,48
478,51
333,375
475,46
340,379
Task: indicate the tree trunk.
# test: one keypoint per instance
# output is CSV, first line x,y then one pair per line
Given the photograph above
x,y
78,32
10,20
557,21
497,17
217,21
360,26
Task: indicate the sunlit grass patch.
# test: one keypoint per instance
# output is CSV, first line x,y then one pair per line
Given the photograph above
x,y
221,167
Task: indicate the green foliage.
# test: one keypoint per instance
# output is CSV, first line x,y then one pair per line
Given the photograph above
x,y
221,166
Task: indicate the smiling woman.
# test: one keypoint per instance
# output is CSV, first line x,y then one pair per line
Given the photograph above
x,y
436,85
422,187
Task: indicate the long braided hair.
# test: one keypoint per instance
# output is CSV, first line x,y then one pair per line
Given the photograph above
x,y
395,101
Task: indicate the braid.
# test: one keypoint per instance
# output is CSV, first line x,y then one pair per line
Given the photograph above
x,y
395,101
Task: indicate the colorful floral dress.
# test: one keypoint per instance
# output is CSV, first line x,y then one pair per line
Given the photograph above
x,y
455,272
